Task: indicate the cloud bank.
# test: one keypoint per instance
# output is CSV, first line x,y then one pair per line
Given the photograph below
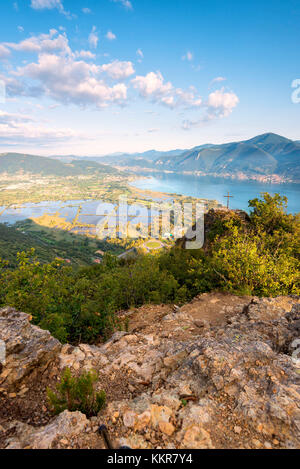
x,y
77,78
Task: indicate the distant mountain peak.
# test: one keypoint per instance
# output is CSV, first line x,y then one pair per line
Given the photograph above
x,y
269,138
265,155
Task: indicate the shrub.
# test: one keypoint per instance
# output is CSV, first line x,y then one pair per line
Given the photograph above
x,y
243,263
77,394
258,256
270,213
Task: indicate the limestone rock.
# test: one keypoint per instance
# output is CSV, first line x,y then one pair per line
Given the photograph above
x,y
197,438
167,428
28,348
66,425
231,385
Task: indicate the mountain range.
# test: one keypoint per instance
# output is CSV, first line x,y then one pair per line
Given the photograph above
x,y
265,155
262,155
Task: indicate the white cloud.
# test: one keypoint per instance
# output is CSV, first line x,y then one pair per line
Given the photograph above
x,y
8,118
13,86
217,80
86,11
42,43
72,81
188,56
18,128
118,70
49,5
110,36
20,29
65,76
140,55
4,52
154,87
45,4
45,43
94,38
188,98
221,103
125,3
85,54
73,77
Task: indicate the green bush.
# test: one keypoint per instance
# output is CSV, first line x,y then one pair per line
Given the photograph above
x,y
77,394
243,263
78,305
259,256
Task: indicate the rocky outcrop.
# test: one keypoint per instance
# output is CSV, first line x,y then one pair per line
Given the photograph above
x,y
66,425
27,347
227,381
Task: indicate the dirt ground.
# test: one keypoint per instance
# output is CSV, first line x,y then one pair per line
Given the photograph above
x,y
215,308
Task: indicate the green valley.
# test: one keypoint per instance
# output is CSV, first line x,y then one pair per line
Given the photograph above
x,y
60,203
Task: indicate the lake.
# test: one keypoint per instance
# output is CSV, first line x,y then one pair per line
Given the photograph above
x,y
84,215
87,213
217,188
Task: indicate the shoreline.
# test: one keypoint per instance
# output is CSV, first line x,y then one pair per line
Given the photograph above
x,y
167,195
267,179
239,189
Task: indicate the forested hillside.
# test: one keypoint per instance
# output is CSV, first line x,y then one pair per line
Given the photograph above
x,y
49,244
263,155
13,163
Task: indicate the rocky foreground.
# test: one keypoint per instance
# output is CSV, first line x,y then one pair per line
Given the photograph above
x,y
221,372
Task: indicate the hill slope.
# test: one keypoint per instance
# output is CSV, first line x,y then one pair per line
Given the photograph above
x,y
13,163
263,155
49,244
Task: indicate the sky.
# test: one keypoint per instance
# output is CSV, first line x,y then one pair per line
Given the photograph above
x,y
92,77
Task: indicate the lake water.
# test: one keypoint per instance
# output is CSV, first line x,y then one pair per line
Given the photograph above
x,y
90,212
217,188
83,214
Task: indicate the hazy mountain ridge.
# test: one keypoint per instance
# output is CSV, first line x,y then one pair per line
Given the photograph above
x,y
145,159
263,155
13,163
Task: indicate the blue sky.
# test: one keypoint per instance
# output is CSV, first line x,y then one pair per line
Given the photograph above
x,y
92,77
